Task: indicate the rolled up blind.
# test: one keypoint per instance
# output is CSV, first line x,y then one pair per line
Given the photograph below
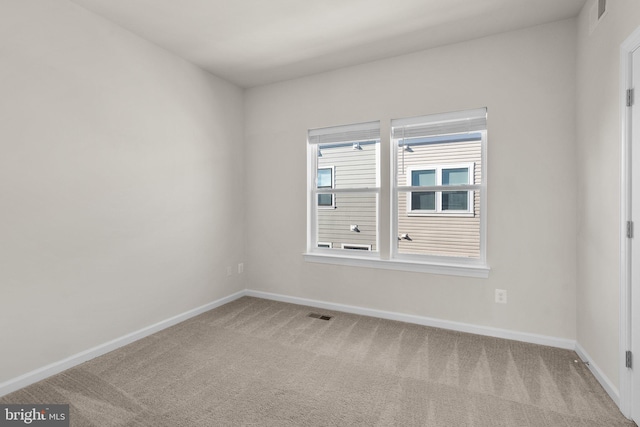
x,y
346,133
440,124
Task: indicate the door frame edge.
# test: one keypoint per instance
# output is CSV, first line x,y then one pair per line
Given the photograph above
x,y
625,382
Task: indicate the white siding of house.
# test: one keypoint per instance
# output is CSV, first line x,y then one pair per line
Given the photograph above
x,y
440,234
353,169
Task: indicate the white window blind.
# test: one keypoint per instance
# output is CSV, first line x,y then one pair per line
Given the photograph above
x,y
346,133
440,124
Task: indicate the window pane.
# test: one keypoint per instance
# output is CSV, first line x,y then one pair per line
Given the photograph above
x,y
444,223
435,234
325,199
324,178
423,178
423,200
455,201
458,176
352,209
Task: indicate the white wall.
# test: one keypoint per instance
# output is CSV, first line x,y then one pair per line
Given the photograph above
x,y
598,131
121,172
527,81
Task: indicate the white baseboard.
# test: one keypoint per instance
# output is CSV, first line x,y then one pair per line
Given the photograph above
x,y
604,381
421,320
71,361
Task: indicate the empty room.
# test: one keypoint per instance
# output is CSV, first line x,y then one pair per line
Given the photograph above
x,y
332,213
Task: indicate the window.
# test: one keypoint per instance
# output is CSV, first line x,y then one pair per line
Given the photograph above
x,y
439,188
344,186
440,202
325,180
435,219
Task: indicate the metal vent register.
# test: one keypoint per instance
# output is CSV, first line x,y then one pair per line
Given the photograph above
x,y
319,316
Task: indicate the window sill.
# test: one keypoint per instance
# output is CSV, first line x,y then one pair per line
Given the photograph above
x,y
450,269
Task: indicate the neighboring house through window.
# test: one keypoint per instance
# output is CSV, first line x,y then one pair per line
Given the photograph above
x,y
345,161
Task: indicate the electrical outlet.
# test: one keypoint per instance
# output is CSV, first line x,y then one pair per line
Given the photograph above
x,y
240,267
229,271
501,296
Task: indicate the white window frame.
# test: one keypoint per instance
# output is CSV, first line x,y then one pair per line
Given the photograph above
x,y
446,124
361,132
438,211
333,185
387,257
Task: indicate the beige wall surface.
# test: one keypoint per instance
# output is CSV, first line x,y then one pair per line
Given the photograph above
x,y
120,184
598,151
527,80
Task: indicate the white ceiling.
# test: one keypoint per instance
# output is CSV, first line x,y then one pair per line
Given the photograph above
x,y
254,42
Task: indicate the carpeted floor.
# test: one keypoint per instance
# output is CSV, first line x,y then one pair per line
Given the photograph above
x,y
264,363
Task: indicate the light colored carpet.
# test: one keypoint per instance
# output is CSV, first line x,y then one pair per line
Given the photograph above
x,y
255,362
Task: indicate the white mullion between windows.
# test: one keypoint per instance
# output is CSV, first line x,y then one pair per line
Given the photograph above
x,y
483,199
312,201
393,217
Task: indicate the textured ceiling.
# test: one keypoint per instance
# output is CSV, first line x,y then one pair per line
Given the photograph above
x,y
254,42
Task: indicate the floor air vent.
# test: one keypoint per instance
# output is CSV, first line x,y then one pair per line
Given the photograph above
x,y
319,316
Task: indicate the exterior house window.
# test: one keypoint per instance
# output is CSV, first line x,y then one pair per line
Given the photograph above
x,y
440,202
325,180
